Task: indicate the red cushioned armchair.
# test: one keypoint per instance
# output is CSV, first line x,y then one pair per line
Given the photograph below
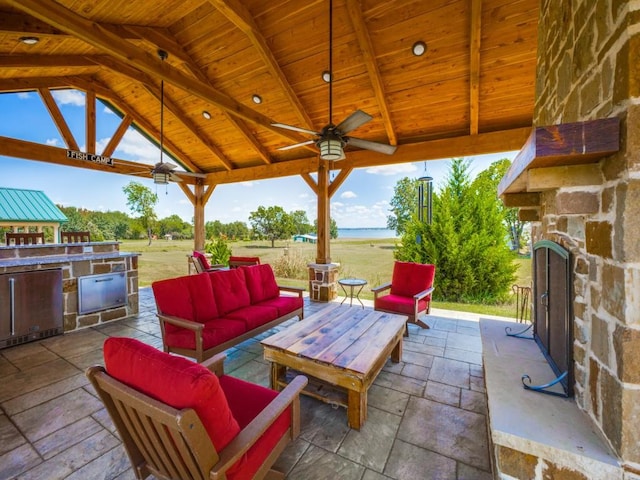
x,y
408,293
177,419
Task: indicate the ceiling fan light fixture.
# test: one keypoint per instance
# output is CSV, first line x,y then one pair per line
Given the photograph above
x,y
331,148
161,178
206,115
326,76
29,40
256,98
419,48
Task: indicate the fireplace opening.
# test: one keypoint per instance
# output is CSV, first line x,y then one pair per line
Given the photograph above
x,y
552,326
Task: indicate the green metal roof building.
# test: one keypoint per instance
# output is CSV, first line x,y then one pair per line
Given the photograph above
x,y
28,210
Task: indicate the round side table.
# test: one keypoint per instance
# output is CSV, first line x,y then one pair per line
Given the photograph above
x,y
352,283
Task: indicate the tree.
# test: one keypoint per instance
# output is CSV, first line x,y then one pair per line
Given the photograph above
x,y
300,222
403,204
141,200
272,223
333,228
466,240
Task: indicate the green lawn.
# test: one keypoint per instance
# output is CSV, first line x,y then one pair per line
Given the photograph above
x,y
370,259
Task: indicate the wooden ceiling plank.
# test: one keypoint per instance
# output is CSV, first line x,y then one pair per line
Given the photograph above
x,y
100,37
115,139
189,125
238,14
90,122
22,24
339,180
58,119
364,40
474,66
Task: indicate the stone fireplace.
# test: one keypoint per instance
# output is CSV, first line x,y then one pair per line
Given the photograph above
x,y
583,194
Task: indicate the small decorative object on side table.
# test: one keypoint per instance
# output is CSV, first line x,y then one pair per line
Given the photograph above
x,y
352,283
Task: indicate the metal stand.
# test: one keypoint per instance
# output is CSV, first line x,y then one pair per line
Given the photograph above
x,y
543,388
507,331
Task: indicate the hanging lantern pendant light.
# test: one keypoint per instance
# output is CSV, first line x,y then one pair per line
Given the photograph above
x,y
160,176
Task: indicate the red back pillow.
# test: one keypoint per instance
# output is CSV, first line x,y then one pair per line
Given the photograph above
x,y
203,259
410,278
230,290
173,380
189,297
261,282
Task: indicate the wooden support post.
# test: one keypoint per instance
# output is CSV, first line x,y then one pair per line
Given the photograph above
x,y
323,254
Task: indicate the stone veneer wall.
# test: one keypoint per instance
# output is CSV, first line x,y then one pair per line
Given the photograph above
x,y
105,257
589,68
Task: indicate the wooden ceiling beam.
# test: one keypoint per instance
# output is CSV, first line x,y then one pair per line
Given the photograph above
x,y
45,61
115,139
238,14
191,126
58,119
313,185
369,57
90,122
100,37
474,65
23,24
339,180
27,84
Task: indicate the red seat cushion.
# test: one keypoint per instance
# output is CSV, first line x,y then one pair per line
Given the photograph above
x,y
176,381
261,282
229,290
203,259
284,303
247,400
254,315
410,278
189,297
399,304
215,332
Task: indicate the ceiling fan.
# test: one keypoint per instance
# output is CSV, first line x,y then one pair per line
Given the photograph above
x,y
332,139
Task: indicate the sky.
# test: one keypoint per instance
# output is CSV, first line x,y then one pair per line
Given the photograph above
x,y
362,201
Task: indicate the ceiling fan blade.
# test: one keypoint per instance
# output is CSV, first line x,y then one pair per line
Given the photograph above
x,y
190,174
174,178
296,145
295,129
368,145
353,121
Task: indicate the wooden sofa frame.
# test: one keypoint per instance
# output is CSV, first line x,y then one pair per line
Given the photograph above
x,y
200,354
170,443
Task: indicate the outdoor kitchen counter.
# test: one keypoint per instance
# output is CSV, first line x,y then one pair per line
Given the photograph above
x,y
78,261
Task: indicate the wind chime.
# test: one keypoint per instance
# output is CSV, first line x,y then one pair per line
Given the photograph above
x,y
425,193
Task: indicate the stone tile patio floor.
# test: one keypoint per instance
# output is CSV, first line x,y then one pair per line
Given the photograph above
x,y
426,414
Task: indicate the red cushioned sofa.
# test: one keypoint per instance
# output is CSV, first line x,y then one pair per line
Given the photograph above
x,y
201,315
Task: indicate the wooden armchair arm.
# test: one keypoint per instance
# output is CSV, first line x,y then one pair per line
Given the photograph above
x,y
377,290
252,432
297,290
179,322
421,295
215,364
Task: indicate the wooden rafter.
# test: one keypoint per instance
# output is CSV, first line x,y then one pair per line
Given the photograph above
x,y
369,57
41,61
58,119
238,14
90,121
115,139
474,66
103,39
25,84
313,185
339,180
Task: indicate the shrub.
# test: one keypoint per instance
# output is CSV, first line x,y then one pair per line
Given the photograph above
x,y
291,265
219,250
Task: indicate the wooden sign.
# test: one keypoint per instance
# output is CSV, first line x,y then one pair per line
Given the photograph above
x,y
90,157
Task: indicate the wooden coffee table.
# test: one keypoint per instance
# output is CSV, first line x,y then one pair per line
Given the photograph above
x,y
337,347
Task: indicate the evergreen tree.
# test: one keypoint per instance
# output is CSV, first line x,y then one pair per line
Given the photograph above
x,y
466,240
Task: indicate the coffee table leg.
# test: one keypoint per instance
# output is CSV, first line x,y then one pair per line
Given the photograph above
x,y
277,371
396,353
356,409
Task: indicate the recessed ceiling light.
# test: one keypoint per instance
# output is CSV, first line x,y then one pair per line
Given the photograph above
x,y
29,40
326,76
206,115
256,98
419,48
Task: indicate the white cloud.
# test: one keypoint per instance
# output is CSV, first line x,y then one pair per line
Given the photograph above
x,y
69,97
135,147
247,184
107,110
52,142
303,195
388,170
337,204
348,194
23,95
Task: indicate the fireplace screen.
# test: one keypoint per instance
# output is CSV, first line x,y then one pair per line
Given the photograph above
x,y
552,328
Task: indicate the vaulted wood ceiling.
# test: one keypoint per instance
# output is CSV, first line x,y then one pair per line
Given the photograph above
x,y
472,92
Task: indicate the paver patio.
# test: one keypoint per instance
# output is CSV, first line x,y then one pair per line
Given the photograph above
x,y
426,414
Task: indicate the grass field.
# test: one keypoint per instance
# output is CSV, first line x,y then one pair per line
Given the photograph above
x,y
371,259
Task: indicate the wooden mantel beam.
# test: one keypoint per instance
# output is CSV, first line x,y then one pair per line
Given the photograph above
x,y
558,145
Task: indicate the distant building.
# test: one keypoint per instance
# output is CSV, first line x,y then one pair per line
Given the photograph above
x,y
305,238
29,211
